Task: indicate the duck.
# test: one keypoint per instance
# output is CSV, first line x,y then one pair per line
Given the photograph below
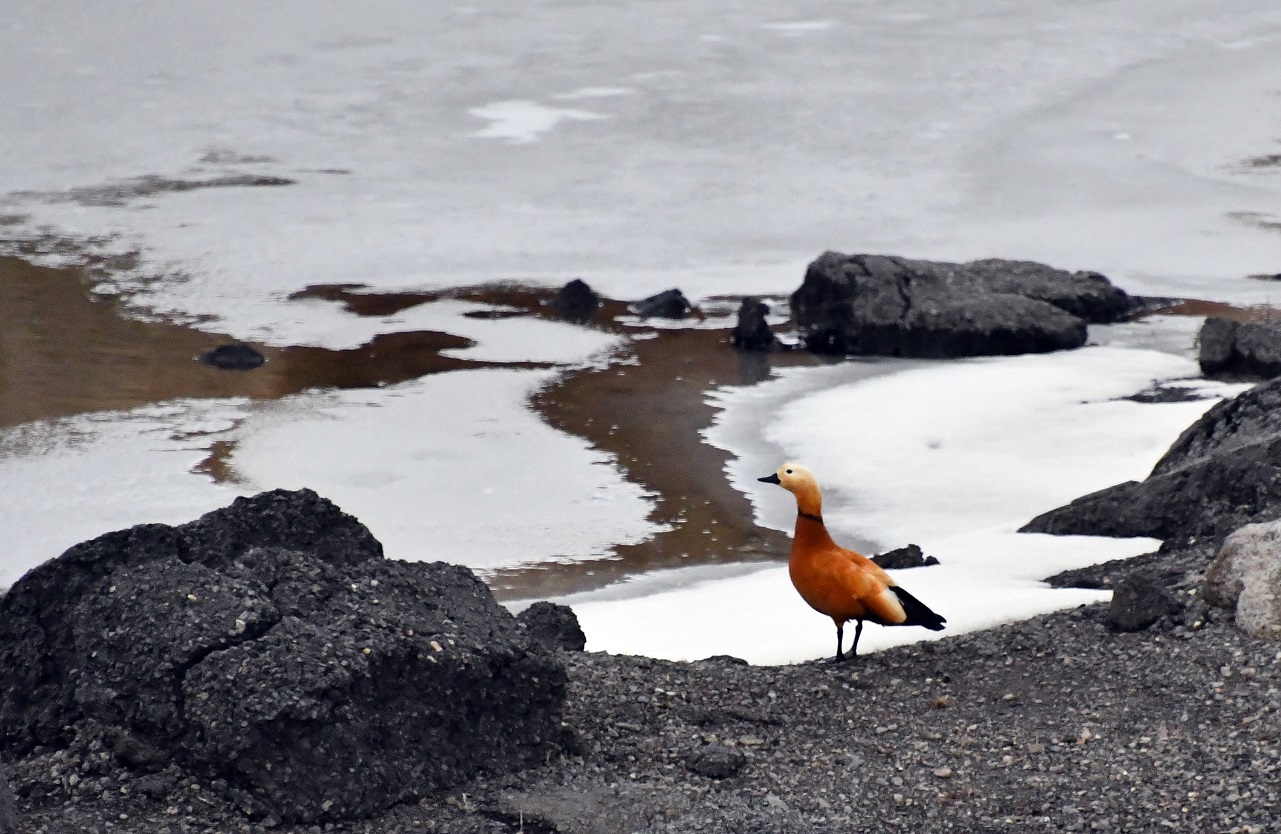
x,y
837,581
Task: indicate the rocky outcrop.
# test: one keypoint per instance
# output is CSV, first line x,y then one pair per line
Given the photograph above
x,y
1238,347
1224,471
1245,578
269,644
889,306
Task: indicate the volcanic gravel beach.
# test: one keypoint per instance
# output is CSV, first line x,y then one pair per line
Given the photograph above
x,y
1056,724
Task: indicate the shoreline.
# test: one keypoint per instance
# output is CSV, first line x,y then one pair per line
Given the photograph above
x,y
1055,723
645,406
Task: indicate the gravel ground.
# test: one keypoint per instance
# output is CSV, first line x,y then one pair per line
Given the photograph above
x,y
1053,724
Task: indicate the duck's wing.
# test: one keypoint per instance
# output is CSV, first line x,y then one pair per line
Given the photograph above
x,y
865,564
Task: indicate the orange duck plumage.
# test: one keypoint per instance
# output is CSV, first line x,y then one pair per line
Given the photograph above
x,y
836,581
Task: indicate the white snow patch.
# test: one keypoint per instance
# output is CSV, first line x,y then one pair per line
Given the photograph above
x,y
450,467
991,441
521,122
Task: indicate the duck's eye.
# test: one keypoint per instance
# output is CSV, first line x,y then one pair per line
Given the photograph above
x,y
789,472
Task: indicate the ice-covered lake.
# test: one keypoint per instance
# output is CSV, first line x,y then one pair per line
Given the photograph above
x,y
640,146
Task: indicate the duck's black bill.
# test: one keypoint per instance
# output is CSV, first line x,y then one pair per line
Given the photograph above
x,y
770,479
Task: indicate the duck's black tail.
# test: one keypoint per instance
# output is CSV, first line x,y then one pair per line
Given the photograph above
x,y
918,613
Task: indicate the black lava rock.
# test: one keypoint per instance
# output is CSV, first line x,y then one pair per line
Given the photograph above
x,y
716,761
669,304
877,305
1139,600
268,646
8,813
752,331
237,356
576,301
910,556
1223,472
1232,347
553,626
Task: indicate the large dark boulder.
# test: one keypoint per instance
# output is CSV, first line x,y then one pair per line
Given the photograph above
x,y
888,306
1239,347
269,644
1224,471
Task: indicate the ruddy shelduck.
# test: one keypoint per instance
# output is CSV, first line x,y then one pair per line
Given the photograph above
x,y
836,581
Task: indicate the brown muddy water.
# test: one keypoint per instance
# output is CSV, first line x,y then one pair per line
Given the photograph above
x,y
66,351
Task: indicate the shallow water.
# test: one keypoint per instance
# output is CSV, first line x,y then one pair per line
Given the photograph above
x,y
67,351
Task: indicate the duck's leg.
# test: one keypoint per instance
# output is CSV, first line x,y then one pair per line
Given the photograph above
x,y
840,638
858,631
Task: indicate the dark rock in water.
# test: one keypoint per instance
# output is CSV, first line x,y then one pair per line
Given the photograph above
x,y
237,356
1167,394
669,304
554,626
752,331
576,301
902,558
716,761
269,645
8,813
1239,347
877,305
1224,471
1139,600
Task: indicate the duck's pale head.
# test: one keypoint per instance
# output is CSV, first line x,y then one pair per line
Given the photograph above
x,y
795,478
